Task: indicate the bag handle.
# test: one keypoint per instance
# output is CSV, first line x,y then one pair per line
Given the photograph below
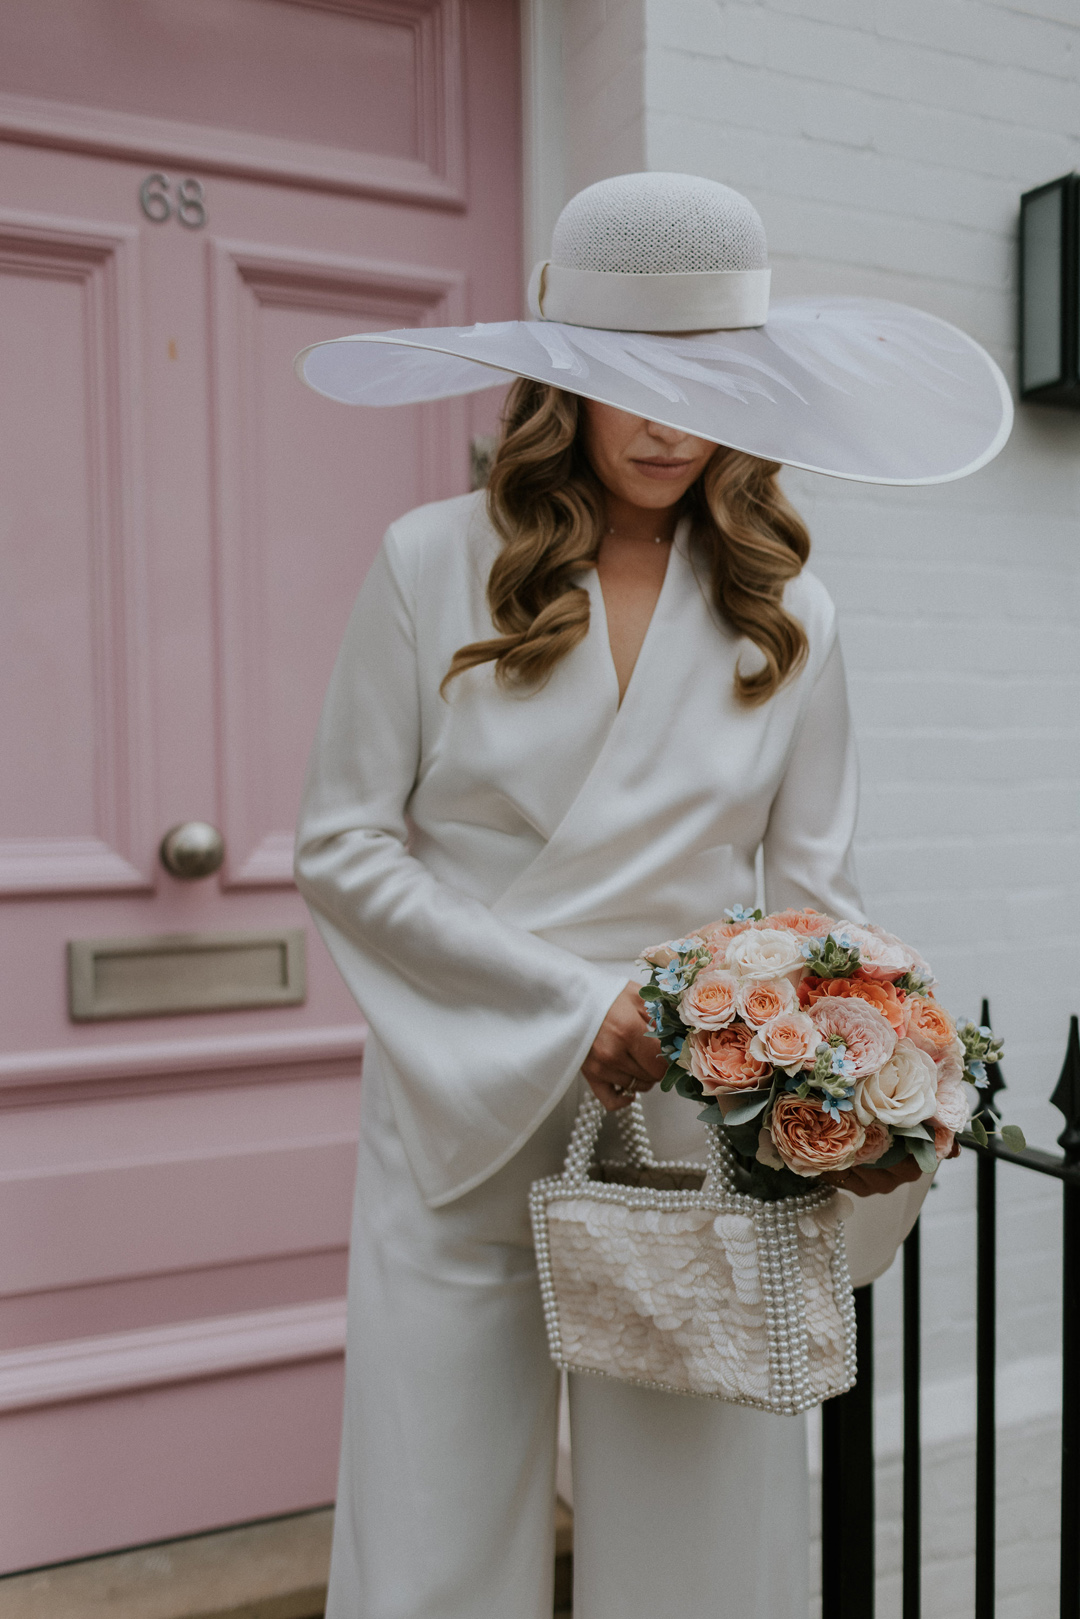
x,y
581,1150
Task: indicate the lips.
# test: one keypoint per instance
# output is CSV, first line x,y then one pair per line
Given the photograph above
x,y
663,469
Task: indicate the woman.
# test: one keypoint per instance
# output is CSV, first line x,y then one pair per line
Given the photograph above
x,y
565,718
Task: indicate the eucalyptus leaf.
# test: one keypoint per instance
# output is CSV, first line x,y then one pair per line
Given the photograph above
x,y
649,992
916,1131
1013,1137
924,1155
748,1110
978,1130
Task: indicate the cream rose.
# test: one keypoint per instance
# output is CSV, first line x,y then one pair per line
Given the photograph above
x,y
902,1093
710,1001
787,1041
764,953
869,1037
758,1000
955,1102
881,954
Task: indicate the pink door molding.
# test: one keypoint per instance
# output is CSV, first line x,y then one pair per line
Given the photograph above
x,y
182,530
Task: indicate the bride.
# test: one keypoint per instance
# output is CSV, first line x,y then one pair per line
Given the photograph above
x,y
567,716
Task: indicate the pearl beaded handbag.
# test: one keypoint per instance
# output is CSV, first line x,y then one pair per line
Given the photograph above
x,y
663,1274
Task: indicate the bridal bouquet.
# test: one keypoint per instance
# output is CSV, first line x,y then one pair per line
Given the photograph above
x,y
816,1045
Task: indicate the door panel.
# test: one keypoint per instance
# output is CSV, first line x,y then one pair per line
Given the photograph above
x,y
183,528
283,505
70,653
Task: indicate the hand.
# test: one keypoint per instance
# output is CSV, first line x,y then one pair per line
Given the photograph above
x,y
866,1181
624,1058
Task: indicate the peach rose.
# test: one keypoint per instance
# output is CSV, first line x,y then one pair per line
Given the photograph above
x,y
928,1025
721,1060
787,1041
945,1142
764,953
809,1140
880,995
758,1000
881,954
709,1003
722,932
869,1037
807,924
956,1101
902,1091
877,1143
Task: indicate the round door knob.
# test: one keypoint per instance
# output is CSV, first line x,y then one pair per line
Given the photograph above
x,y
192,849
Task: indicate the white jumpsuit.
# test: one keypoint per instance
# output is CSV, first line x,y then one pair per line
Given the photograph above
x,y
484,869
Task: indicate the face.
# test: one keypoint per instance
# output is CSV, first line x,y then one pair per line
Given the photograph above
x,y
640,461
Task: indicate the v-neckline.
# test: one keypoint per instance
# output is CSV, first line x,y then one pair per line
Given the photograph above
x,y
599,619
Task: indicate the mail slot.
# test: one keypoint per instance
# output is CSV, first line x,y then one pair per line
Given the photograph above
x,y
168,973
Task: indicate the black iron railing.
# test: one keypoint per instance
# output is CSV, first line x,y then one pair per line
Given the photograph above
x,y
847,1448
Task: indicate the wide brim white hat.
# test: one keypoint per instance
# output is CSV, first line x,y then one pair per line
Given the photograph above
x,y
656,300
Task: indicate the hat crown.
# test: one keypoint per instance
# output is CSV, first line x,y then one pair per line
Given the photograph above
x,y
659,224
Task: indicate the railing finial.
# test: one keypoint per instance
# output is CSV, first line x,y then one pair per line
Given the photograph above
x,y
1066,1097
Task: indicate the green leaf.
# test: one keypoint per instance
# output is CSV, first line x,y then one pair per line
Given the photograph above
x,y
916,1132
894,1155
649,992
1013,1137
747,1110
924,1155
710,1115
978,1130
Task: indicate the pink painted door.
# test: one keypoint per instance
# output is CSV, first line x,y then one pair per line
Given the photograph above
x,y
182,530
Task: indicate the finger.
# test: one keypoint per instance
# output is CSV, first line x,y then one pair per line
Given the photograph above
x,y
611,1097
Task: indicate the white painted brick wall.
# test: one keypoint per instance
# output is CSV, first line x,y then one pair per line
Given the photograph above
x,y
886,143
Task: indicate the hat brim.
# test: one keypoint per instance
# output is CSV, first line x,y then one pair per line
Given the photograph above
x,y
855,388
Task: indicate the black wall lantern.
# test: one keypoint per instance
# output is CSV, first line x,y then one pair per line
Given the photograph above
x,y
1050,293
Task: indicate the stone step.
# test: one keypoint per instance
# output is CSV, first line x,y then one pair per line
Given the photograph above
x,y
271,1570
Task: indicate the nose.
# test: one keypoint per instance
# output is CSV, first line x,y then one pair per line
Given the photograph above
x,y
668,436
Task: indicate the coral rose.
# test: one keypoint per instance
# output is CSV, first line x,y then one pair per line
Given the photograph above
x,y
764,953
721,1060
881,954
876,993
807,924
868,1036
811,1141
759,1000
787,1041
709,1003
902,1092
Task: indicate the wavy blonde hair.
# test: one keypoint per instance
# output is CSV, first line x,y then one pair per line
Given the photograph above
x,y
547,506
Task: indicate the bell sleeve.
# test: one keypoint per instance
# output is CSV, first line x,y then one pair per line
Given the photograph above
x,y
808,861
480,1025
807,846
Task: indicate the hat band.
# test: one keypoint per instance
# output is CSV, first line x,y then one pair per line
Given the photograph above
x,y
682,301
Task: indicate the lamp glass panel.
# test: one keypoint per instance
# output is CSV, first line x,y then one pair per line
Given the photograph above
x,y
1042,239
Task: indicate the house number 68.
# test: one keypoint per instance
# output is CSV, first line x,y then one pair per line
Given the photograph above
x,y
158,204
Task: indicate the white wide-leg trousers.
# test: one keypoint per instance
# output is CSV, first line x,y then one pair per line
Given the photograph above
x,y
683,1508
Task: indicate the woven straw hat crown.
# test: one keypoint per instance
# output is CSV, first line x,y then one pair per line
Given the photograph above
x,y
659,224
